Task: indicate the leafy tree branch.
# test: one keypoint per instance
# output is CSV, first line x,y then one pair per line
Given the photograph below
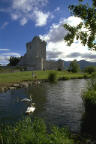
x,y
88,15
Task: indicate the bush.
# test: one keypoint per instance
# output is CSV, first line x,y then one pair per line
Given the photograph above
x,y
88,124
13,61
28,132
86,76
74,67
90,69
89,96
89,99
66,78
52,77
91,85
59,69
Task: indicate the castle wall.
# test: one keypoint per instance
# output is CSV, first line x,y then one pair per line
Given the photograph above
x,y
35,57
55,65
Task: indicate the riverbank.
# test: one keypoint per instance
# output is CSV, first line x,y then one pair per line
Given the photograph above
x,y
24,79
26,83
36,132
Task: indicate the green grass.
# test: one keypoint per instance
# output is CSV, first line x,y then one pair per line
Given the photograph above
x,y
89,99
15,77
89,96
28,132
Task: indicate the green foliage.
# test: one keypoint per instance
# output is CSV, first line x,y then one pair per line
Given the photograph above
x,y
88,15
86,76
89,96
92,82
89,99
28,132
66,78
60,136
90,69
13,61
52,77
74,67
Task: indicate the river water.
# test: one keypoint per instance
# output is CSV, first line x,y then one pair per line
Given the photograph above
x,y
60,104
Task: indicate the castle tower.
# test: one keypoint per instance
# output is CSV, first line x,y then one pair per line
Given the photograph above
x,y
35,56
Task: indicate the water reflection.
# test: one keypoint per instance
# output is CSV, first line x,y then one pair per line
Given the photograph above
x,y
59,104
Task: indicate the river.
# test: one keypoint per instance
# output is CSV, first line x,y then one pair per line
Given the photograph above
x,y
60,104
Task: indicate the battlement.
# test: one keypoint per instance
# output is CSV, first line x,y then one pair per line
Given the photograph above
x,y
35,57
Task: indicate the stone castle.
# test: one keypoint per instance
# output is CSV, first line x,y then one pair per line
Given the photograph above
x,y
35,57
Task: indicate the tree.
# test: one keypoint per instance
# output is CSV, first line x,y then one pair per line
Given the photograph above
x,y
74,66
88,15
90,69
13,61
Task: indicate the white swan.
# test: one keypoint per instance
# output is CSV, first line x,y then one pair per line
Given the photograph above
x,y
26,99
30,109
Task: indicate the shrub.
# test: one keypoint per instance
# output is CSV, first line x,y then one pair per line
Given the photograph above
x,y
88,124
89,99
52,77
91,85
60,136
74,67
90,69
86,76
59,69
66,78
28,132
13,61
89,96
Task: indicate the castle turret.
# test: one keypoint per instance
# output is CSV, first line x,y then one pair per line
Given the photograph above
x,y
35,57
36,54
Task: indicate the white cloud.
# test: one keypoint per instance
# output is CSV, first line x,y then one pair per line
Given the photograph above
x,y
11,54
41,18
23,21
72,20
57,31
4,25
4,49
56,44
57,9
4,57
25,10
15,16
28,5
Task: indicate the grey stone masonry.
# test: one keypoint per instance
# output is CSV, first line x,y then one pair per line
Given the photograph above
x,y
35,56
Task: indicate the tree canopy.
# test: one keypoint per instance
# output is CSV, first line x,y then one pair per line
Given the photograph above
x,y
74,66
13,61
90,69
88,15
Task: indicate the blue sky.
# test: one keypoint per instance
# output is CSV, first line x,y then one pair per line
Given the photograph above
x,y
21,20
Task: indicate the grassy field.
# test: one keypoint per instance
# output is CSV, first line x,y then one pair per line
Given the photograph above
x,y
16,77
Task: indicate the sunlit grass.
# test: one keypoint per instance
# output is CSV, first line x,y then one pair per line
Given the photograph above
x,y
8,78
28,132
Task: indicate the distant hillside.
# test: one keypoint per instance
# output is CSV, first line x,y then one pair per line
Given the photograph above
x,y
82,64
